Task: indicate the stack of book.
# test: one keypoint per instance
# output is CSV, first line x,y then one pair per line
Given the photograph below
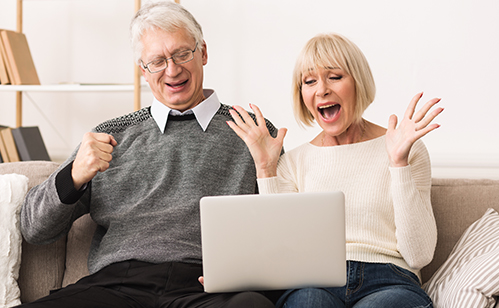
x,y
22,144
16,64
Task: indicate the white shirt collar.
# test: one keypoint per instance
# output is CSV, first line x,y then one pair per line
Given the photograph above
x,y
203,112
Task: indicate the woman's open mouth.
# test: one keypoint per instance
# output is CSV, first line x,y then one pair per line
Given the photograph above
x,y
329,112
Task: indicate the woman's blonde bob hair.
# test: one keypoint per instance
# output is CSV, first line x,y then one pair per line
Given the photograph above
x,y
333,50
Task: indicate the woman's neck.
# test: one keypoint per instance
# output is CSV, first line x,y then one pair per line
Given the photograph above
x,y
358,132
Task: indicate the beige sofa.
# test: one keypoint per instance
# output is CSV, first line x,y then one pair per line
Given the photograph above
x,y
457,203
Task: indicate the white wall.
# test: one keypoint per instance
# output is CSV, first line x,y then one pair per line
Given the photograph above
x,y
446,48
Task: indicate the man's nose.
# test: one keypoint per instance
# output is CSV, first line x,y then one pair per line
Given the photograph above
x,y
172,69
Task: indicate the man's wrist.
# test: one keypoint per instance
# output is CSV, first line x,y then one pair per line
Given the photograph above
x,y
65,187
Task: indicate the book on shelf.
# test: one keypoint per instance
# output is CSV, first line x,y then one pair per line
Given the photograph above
x,y
29,142
10,144
22,68
4,71
3,149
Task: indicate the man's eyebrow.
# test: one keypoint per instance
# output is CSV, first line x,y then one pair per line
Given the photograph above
x,y
176,50
154,58
179,49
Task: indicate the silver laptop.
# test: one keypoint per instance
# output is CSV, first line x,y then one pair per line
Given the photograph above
x,y
273,242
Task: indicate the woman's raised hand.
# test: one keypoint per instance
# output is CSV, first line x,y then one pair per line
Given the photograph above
x,y
263,147
412,127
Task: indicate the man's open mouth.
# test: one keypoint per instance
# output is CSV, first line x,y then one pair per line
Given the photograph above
x,y
329,111
178,84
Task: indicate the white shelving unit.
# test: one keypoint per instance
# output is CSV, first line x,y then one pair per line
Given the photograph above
x,y
135,87
72,88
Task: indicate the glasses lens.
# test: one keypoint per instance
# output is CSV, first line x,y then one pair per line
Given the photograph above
x,y
182,57
157,65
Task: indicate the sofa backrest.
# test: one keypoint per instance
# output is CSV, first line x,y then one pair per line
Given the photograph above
x,y
457,203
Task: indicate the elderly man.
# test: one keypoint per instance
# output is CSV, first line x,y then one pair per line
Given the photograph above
x,y
141,177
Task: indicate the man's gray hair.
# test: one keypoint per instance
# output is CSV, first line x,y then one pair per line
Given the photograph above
x,y
165,15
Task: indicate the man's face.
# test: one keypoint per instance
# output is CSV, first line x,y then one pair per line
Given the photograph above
x,y
179,86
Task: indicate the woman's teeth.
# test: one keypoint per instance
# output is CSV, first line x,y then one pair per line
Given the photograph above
x,y
329,111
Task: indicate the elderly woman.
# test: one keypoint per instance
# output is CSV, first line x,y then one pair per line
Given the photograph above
x,y
384,173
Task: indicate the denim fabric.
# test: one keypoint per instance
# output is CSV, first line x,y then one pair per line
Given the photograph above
x,y
368,285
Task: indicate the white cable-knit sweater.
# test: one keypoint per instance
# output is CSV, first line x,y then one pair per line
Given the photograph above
x,y
389,218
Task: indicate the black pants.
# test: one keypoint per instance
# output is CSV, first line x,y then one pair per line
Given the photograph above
x,y
141,284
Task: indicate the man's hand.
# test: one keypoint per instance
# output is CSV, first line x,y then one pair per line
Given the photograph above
x,y
94,156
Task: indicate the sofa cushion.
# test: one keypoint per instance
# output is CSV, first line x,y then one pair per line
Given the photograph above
x,y
469,278
13,188
42,266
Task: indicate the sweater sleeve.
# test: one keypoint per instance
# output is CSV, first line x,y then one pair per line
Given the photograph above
x,y
416,230
284,182
44,217
268,185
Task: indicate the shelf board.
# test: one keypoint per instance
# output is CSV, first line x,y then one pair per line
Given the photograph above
x,y
72,88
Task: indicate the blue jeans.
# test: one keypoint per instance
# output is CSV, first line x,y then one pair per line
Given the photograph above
x,y
368,285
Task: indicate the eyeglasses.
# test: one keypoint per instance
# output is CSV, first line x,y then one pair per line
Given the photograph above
x,y
159,65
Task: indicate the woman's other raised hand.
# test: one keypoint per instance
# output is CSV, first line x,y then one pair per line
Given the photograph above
x,y
263,147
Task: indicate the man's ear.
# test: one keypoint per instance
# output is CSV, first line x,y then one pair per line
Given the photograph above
x,y
144,72
205,53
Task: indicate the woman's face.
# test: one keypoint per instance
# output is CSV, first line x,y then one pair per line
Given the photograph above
x,y
329,95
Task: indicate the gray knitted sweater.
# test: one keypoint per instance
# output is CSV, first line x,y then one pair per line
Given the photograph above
x,y
146,204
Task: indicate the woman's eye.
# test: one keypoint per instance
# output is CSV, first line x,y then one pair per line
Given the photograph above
x,y
309,81
335,77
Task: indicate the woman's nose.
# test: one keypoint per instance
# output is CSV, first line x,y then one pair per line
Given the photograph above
x,y
322,89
